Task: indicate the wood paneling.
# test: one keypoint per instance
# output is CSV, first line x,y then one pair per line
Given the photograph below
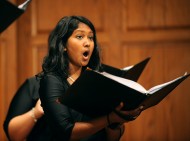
x,y
55,11
158,14
165,121
8,72
128,31
2,87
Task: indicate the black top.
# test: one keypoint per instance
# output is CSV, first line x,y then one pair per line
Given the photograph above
x,y
23,101
61,118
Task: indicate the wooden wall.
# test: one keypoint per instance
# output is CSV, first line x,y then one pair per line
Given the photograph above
x,y
128,32
8,72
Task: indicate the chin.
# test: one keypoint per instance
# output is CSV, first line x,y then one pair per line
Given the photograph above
x,y
84,64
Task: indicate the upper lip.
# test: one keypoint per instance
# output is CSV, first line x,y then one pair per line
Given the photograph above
x,y
86,52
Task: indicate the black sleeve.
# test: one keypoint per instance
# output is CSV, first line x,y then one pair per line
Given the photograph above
x,y
57,114
22,101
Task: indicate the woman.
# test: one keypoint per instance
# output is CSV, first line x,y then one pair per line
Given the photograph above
x,y
72,48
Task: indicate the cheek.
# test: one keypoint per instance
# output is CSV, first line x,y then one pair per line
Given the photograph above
x,y
92,49
72,48
92,46
73,52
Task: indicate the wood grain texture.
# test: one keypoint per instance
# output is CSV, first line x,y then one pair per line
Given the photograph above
x,y
128,31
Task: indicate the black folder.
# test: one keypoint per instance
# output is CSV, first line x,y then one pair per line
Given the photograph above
x,y
95,94
10,12
130,72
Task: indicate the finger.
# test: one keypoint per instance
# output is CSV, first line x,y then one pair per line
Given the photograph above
x,y
133,113
141,107
139,110
120,106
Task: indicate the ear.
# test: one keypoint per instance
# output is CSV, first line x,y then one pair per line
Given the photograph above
x,y
65,49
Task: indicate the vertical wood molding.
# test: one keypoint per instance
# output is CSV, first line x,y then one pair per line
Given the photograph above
x,y
2,87
8,72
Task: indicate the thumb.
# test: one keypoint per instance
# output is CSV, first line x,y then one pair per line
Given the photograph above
x,y
119,106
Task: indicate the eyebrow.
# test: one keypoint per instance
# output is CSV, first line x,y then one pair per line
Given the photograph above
x,y
80,30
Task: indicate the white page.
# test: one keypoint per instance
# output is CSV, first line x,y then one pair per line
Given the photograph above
x,y
24,5
126,82
158,87
127,68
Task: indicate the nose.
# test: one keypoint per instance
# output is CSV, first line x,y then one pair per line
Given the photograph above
x,y
86,42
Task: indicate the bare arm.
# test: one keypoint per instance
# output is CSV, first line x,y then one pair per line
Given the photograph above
x,y
116,133
20,126
83,129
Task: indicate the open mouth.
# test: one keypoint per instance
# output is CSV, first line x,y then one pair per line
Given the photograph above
x,y
85,54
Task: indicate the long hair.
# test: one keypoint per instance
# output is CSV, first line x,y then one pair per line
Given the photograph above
x,y
57,59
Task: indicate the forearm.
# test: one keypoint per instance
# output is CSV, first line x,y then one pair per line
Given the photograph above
x,y
115,134
20,126
85,129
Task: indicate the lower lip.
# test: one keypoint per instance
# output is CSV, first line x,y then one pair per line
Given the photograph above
x,y
85,58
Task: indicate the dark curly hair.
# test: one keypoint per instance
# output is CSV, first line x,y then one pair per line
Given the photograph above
x,y
57,60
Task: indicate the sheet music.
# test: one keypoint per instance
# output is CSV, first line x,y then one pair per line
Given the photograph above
x,y
24,5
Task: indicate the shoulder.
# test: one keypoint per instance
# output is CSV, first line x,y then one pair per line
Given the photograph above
x,y
52,79
52,85
33,80
33,86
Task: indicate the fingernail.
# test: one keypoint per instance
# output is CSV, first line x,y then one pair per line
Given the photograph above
x,y
141,107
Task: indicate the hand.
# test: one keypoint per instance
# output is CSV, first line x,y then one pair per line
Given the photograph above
x,y
38,110
120,116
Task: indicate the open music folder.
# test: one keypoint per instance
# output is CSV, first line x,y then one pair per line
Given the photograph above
x,y
98,93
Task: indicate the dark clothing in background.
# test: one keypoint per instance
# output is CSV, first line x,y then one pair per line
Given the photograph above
x,y
23,101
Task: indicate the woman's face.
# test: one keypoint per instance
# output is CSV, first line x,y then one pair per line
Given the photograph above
x,y
80,46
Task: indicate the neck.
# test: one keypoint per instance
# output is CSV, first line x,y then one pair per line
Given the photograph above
x,y
74,70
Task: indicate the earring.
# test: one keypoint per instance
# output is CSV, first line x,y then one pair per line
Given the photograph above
x,y
65,49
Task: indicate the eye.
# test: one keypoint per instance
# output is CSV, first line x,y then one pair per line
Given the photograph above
x,y
91,38
79,37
